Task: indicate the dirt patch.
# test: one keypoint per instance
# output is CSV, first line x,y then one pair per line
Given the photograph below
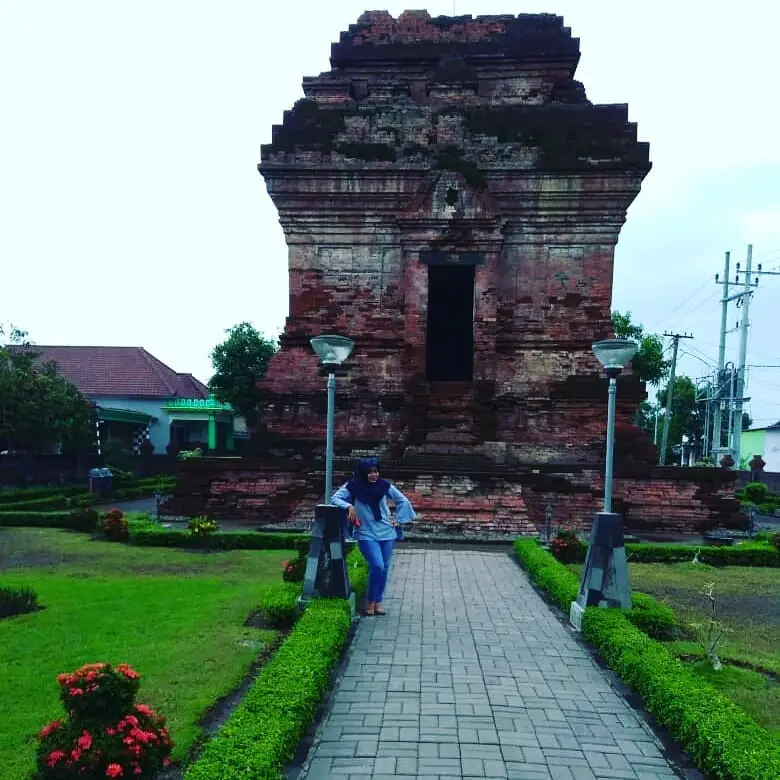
x,y
755,607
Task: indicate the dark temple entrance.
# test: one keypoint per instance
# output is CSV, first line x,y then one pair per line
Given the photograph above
x,y
450,342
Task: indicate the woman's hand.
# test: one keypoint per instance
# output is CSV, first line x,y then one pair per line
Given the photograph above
x,y
353,517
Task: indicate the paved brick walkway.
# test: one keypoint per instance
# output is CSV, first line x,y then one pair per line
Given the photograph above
x,y
470,675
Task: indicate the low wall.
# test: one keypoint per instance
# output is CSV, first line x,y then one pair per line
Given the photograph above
x,y
474,501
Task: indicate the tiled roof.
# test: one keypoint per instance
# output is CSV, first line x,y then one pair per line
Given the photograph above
x,y
121,372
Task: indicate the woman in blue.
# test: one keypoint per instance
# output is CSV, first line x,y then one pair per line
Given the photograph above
x,y
365,499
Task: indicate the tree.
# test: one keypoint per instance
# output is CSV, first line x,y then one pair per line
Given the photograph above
x,y
240,362
687,416
38,408
648,363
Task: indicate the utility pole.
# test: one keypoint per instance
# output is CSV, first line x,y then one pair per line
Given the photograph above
x,y
670,396
717,437
747,294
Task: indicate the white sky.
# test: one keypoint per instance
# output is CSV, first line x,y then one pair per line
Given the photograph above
x,y
132,213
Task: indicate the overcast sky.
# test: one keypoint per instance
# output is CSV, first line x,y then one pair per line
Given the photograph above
x,y
132,213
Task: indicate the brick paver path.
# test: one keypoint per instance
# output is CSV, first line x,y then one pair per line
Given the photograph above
x,y
471,675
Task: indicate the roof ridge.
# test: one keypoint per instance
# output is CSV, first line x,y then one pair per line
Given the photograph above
x,y
155,364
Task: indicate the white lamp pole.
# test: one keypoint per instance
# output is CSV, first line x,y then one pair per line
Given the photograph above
x,y
332,352
613,354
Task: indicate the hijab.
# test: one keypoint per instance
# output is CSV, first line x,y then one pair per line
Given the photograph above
x,y
370,494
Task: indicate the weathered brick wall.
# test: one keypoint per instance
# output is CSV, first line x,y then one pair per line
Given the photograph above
x,y
456,499
418,141
468,138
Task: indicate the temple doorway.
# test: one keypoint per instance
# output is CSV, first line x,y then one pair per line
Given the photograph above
x,y
450,337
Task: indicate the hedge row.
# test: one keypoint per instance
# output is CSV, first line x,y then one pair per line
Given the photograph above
x,y
153,536
721,738
60,519
745,554
262,733
62,500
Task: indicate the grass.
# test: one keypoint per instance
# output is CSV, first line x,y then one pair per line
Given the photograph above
x,y
747,605
177,616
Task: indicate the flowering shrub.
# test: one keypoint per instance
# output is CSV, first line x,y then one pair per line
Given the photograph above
x,y
114,525
293,571
105,734
567,547
83,518
99,691
202,526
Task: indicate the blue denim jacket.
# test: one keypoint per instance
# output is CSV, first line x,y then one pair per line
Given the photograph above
x,y
369,528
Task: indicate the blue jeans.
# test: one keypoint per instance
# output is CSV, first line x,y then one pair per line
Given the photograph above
x,y
377,555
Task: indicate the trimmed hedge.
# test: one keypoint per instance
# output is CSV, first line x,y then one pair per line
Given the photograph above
x,y
720,737
60,519
154,536
61,498
278,604
262,733
745,554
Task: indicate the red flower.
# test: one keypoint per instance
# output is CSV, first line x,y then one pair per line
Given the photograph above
x,y
54,757
85,740
114,770
49,728
75,692
62,679
75,754
128,671
144,709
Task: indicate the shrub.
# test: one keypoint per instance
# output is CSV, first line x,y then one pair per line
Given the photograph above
x,y
263,731
239,540
776,541
654,618
567,547
17,601
114,526
99,692
83,519
721,738
278,604
105,734
294,569
755,492
202,527
561,584
358,572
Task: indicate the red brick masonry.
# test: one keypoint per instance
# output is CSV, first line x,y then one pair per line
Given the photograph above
x,y
455,140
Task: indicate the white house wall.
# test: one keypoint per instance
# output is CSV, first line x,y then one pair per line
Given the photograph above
x,y
771,454
159,430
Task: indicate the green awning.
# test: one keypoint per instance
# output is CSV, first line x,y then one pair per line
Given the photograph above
x,y
107,414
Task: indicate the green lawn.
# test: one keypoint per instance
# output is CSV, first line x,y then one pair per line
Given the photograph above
x,y
748,604
175,615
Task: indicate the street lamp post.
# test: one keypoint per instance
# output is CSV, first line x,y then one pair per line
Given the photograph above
x,y
326,571
605,577
332,352
613,354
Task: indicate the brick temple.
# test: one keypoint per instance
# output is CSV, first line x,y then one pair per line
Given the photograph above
x,y
451,200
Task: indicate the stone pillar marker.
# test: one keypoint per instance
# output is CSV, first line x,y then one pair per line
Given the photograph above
x,y
605,578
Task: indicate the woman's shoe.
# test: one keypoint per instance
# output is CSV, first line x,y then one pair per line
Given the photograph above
x,y
378,610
